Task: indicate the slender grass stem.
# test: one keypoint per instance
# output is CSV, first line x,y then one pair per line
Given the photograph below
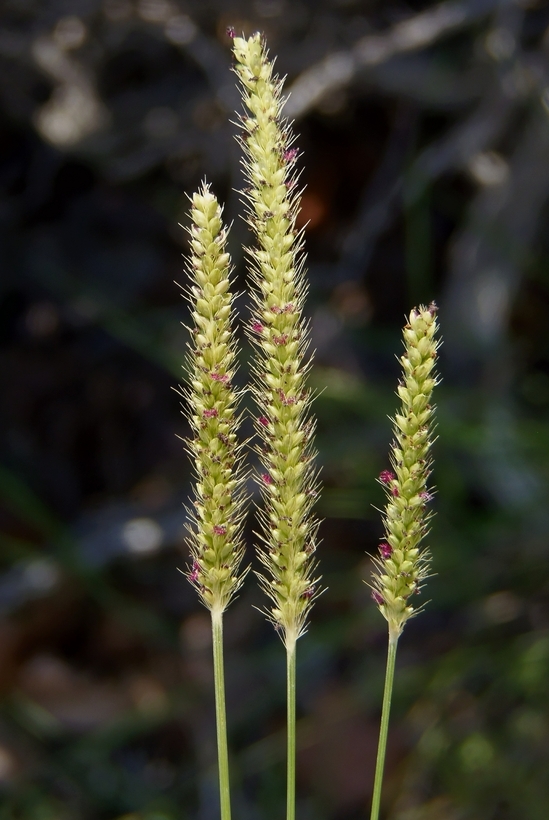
x,y
221,717
383,730
291,676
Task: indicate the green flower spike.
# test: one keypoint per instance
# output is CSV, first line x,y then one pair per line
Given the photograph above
x,y
281,340
403,564
215,530
280,336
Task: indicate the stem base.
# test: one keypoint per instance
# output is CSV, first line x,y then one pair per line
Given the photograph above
x,y
221,716
384,727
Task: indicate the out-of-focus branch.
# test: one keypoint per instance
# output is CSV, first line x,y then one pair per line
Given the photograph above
x,y
455,150
492,246
339,68
74,110
458,147
378,201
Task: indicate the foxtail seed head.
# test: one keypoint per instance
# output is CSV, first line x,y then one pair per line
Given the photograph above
x,y
402,564
215,532
279,334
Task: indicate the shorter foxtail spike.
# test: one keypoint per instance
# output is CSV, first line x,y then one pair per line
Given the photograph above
x,y
403,563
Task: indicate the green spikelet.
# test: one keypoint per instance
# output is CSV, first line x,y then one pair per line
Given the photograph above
x,y
403,564
281,340
215,529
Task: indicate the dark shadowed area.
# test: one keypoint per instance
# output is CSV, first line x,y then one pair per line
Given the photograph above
x,y
424,139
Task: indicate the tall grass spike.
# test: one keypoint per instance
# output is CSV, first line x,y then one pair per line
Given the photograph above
x,y
280,336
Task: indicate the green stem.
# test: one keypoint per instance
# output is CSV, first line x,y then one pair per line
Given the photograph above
x,y
290,677
382,746
221,716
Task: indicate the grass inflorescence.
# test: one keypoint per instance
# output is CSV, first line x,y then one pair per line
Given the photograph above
x,y
279,333
283,421
215,531
402,564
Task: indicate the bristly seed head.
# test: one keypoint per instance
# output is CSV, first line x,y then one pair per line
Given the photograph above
x,y
219,482
286,449
402,564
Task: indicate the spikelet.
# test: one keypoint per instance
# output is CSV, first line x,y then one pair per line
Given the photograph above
x,y
215,532
403,564
281,339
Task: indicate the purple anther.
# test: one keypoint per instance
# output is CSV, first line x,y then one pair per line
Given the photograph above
x,y
386,550
386,476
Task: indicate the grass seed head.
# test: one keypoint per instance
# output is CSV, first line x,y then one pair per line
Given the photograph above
x,y
279,334
215,531
403,563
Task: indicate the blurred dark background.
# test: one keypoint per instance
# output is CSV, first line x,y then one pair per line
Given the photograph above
x,y
425,137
